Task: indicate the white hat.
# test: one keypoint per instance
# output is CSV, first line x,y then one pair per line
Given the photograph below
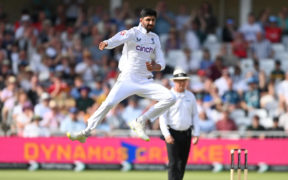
x,y
44,96
25,18
12,79
179,74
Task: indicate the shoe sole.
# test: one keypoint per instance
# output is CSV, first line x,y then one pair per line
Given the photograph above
x,y
131,127
68,134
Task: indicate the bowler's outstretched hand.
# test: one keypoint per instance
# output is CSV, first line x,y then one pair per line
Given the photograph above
x,y
102,45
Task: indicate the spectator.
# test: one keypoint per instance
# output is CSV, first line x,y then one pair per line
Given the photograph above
x,y
43,70
268,98
51,119
222,82
34,129
34,90
263,18
104,94
25,25
165,19
229,59
240,46
261,47
251,97
250,29
206,125
191,63
72,11
131,111
65,68
231,98
206,61
276,126
173,41
96,89
20,102
225,123
283,119
256,126
43,106
277,74
58,88
258,74
272,31
283,92
182,17
24,118
239,81
72,122
74,91
87,69
8,98
84,101
206,12
229,31
192,39
283,20
5,70
215,70
95,52
114,118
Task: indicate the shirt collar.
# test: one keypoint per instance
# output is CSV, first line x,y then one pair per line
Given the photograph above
x,y
142,29
179,94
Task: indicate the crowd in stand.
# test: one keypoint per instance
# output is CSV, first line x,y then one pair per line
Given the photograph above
x,y
53,77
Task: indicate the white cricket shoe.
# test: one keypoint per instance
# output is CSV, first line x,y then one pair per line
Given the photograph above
x,y
79,136
138,128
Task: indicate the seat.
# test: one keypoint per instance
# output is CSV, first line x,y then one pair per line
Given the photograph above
x,y
194,79
238,115
262,113
174,56
285,41
266,122
197,54
278,47
267,65
284,65
281,56
246,65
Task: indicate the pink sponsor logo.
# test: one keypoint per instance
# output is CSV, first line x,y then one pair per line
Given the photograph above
x,y
116,150
144,49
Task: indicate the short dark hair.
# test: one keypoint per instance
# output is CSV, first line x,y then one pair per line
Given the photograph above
x,y
148,12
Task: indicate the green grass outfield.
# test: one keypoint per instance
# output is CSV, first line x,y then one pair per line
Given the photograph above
x,y
132,175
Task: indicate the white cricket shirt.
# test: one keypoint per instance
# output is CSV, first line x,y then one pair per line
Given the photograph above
x,y
182,115
139,47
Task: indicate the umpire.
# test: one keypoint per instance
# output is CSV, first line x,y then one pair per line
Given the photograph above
x,y
176,126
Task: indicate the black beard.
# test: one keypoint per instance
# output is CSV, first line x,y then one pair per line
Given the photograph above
x,y
148,29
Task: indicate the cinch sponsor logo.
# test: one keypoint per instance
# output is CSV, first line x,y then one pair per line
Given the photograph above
x,y
145,49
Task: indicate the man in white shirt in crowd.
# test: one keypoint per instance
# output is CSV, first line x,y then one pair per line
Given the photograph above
x,y
136,66
250,29
176,126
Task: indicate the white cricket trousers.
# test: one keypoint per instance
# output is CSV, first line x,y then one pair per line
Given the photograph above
x,y
128,85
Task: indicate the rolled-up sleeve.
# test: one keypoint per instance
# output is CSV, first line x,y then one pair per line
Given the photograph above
x,y
195,119
163,119
159,56
120,38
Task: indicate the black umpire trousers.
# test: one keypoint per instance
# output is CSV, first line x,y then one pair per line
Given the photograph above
x,y
178,153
